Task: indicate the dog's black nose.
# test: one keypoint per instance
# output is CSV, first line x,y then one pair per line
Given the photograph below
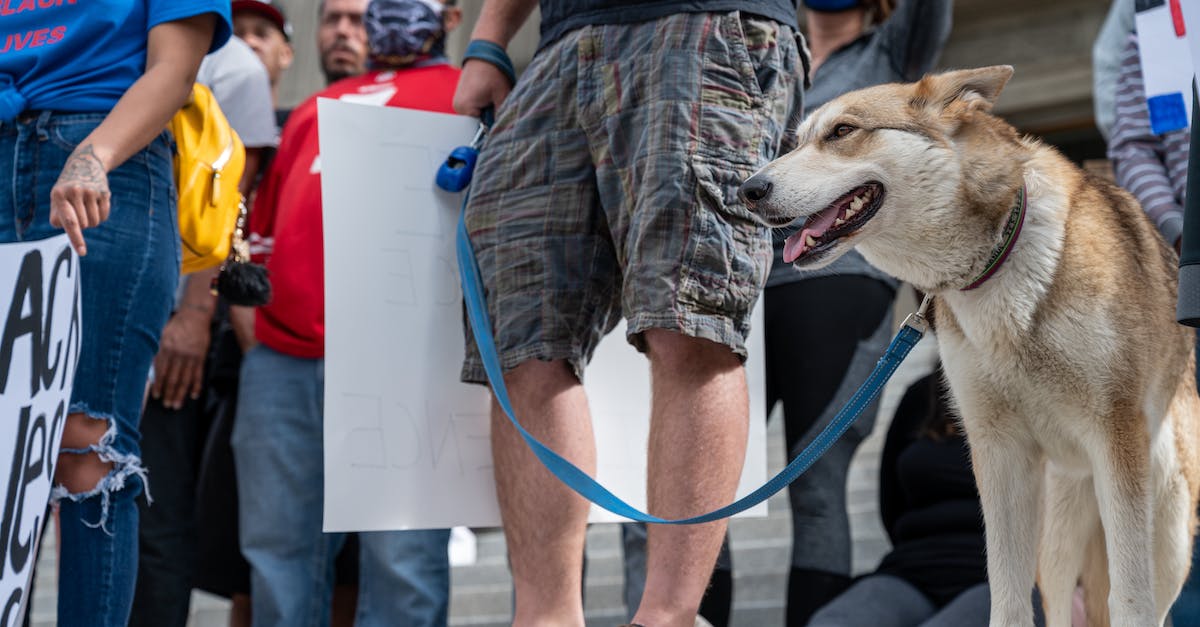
x,y
755,189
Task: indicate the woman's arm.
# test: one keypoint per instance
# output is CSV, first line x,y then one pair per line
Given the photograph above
x,y
917,31
1138,155
1106,62
80,198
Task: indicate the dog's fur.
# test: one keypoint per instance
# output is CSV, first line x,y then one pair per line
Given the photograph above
x,y
1075,385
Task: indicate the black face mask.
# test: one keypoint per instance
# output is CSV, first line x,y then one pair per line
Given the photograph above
x,y
831,6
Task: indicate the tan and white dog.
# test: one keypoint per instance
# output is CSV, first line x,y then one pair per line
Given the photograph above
x,y
1075,385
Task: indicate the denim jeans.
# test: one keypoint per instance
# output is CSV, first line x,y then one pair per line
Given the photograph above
x,y
404,576
127,281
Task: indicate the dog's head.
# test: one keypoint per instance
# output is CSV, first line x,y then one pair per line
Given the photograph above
x,y
893,170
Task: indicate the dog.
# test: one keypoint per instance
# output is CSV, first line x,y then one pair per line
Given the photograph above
x,y
1053,299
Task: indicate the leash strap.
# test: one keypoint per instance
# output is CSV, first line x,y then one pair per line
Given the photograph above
x,y
910,333
454,176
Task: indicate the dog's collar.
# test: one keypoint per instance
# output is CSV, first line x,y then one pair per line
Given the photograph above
x,y
1012,228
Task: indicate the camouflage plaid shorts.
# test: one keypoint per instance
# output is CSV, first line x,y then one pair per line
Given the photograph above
x,y
608,186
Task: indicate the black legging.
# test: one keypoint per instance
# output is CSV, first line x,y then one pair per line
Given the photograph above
x,y
823,337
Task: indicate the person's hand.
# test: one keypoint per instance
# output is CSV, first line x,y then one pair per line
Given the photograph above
x,y
179,365
481,85
80,198
242,320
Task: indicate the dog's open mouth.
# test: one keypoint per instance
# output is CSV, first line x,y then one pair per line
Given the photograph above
x,y
845,216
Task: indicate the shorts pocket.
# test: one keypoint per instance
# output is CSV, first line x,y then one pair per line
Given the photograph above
x,y
719,182
761,42
731,101
729,252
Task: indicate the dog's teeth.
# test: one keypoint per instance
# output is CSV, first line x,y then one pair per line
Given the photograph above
x,y
810,242
850,212
839,222
857,203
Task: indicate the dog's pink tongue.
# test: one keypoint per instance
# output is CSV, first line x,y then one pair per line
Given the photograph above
x,y
816,226
793,248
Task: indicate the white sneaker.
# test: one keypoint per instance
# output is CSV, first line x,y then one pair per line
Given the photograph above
x,y
462,547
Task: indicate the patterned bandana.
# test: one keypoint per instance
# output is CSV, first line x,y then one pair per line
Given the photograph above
x,y
401,32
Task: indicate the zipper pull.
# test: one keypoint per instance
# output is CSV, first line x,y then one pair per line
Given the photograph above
x,y
216,187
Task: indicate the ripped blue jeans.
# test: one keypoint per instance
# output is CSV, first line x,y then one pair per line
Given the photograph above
x,y
128,280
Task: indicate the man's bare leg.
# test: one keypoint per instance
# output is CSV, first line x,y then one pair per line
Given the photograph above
x,y
699,421
544,521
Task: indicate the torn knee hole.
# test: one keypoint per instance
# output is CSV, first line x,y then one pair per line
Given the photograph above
x,y
84,432
95,469
81,472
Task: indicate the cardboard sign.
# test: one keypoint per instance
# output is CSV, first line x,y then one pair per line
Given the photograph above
x,y
406,444
1166,63
39,349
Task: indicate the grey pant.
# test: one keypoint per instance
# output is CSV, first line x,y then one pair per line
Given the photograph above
x,y
887,601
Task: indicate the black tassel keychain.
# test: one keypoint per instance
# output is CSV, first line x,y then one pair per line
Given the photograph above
x,y
240,281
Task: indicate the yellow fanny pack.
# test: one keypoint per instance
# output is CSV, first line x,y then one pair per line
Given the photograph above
x,y
209,159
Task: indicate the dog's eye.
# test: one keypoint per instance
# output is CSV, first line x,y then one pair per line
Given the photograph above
x,y
840,131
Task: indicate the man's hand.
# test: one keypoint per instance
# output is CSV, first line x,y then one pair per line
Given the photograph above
x,y
179,365
242,320
480,86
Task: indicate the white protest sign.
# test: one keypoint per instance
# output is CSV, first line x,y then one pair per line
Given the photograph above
x,y
1191,20
406,444
39,348
1166,63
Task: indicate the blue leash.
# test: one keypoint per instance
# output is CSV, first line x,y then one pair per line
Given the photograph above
x,y
455,176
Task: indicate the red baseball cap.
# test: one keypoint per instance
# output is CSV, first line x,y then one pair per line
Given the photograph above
x,y
267,10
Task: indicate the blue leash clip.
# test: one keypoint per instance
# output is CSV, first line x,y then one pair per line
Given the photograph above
x,y
455,174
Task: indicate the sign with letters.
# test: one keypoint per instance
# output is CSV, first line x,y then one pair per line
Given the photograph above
x,y
407,444
39,349
1167,71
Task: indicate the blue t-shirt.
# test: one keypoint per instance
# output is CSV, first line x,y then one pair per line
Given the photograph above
x,y
81,55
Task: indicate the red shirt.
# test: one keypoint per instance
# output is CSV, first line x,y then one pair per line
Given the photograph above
x,y
285,226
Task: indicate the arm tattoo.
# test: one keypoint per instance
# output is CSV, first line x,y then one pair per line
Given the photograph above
x,y
83,168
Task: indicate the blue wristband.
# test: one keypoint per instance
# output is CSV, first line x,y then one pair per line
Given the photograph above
x,y
490,52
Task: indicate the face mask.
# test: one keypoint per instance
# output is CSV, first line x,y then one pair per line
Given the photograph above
x,y
831,6
402,31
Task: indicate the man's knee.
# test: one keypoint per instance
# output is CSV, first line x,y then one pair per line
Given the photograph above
x,y
678,353
543,377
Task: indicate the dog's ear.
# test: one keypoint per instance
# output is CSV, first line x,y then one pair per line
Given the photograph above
x,y
975,90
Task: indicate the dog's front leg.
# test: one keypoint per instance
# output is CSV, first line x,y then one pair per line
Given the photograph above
x,y
1008,470
1069,518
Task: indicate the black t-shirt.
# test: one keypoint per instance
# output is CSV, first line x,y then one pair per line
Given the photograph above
x,y
561,16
